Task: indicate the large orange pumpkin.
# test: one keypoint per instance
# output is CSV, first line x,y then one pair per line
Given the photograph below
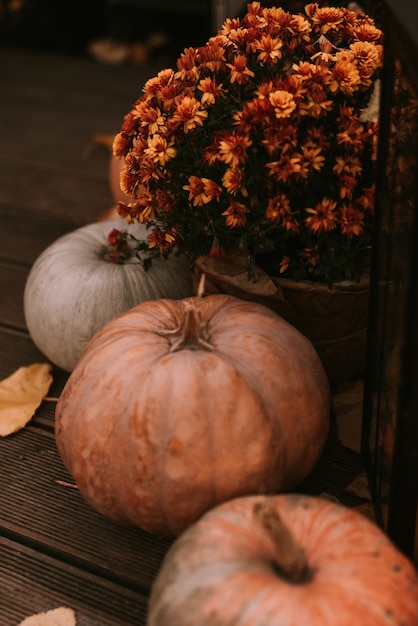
x,y
288,560
176,406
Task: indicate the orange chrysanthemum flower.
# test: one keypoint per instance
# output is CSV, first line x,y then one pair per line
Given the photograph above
x,y
317,102
352,221
283,102
189,113
280,140
164,241
366,31
300,30
345,77
163,201
240,73
285,167
120,144
150,117
262,140
323,217
233,149
347,184
235,215
202,190
210,90
153,85
159,150
284,264
313,158
142,210
269,49
187,65
349,165
327,18
367,58
233,181
279,211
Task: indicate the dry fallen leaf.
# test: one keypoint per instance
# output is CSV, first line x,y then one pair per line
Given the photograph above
x,y
56,617
367,509
21,394
359,487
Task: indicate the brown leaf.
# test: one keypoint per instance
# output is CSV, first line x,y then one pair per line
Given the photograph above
x,y
56,617
359,487
21,394
366,509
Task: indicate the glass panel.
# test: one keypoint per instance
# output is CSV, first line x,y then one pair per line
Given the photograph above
x,y
396,243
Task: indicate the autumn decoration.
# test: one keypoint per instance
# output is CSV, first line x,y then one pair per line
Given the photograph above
x,y
177,405
21,393
259,142
285,559
61,616
87,277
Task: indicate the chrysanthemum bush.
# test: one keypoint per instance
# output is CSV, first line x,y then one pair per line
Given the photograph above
x,y
256,144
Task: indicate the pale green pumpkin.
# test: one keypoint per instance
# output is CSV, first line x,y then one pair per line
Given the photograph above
x,y
73,289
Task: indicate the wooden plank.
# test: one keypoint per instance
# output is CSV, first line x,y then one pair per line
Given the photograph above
x,y
39,510
18,350
12,283
32,583
70,100
48,162
48,190
28,72
27,234
337,467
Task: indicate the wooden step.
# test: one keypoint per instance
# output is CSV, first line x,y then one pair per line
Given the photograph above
x,y
41,509
32,582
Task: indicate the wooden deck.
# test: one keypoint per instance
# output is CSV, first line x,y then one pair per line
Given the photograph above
x,y
54,549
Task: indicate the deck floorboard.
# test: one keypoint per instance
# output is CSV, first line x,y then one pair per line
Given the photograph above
x,y
55,550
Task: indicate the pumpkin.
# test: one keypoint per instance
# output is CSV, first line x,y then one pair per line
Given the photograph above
x,y
116,165
176,406
73,289
288,559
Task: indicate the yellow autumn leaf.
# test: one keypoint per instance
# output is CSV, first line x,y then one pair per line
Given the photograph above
x,y
21,394
56,617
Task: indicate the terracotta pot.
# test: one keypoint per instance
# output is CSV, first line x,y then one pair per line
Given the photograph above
x,y
333,319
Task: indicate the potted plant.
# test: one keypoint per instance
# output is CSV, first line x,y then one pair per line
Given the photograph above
x,y
257,153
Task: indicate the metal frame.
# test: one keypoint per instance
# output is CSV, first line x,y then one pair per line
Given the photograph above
x,y
401,45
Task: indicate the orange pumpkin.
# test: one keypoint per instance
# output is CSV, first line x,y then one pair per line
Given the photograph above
x,y
292,560
176,406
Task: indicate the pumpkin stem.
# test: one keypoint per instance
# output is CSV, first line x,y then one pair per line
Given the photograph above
x,y
192,333
201,286
290,559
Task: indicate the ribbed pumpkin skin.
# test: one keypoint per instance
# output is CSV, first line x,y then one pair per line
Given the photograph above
x,y
72,289
156,438
219,572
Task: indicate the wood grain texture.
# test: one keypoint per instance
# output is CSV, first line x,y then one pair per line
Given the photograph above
x,y
54,549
